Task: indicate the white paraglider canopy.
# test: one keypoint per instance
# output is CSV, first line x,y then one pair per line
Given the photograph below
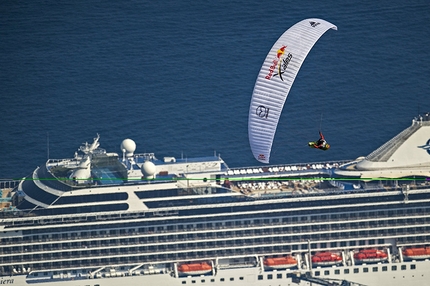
x,y
275,80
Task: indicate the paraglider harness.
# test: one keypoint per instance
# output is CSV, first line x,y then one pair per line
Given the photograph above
x,y
320,143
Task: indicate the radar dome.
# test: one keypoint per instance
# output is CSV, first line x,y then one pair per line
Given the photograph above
x,y
128,146
81,176
148,169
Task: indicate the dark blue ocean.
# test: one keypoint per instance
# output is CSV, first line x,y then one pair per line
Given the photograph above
x,y
177,77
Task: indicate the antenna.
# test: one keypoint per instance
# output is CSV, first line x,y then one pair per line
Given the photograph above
x,y
47,144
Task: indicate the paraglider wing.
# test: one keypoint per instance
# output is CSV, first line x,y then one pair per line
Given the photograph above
x,y
275,80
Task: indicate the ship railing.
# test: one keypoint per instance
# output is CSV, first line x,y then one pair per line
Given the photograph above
x,y
224,236
142,157
67,161
191,252
285,168
120,215
50,180
8,184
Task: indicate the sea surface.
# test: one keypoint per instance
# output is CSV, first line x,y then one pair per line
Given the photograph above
x,y
177,77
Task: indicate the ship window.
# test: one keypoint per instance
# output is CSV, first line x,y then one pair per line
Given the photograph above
x,y
269,276
317,273
260,277
337,272
212,280
240,278
231,279
221,279
375,269
326,272
384,268
365,269
413,266
279,276
394,268
346,271
403,267
356,270
184,282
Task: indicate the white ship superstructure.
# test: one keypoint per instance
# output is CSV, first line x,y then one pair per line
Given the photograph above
x,y
105,219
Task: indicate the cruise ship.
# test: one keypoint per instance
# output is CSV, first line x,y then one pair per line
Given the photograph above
x,y
128,218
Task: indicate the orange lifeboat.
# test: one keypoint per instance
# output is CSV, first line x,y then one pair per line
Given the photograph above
x,y
416,253
326,258
370,255
195,268
280,262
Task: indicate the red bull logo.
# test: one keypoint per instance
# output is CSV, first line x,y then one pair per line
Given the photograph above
x,y
281,51
280,63
272,68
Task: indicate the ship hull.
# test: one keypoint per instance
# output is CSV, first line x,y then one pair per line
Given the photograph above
x,y
119,227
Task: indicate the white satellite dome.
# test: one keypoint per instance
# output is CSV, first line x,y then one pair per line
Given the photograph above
x,y
81,176
148,169
128,146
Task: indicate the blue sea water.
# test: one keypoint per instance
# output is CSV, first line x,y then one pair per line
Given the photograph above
x,y
177,77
